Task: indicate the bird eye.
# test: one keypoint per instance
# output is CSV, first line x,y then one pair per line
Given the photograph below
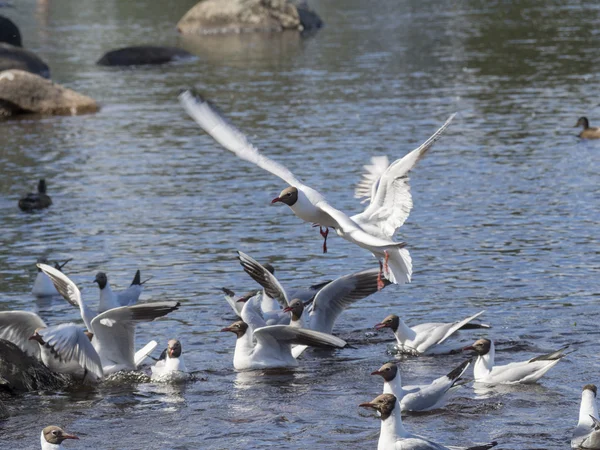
x,y
387,369
55,433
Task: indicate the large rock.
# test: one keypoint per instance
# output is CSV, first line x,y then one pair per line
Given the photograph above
x,y
20,372
9,32
12,57
236,16
142,55
23,92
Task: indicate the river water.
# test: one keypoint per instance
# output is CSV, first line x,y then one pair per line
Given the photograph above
x,y
506,211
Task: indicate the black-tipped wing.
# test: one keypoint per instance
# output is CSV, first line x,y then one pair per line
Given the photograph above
x,y
336,296
265,278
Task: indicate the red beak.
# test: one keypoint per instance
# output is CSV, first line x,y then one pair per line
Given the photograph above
x,y
275,200
69,436
243,300
377,372
226,329
379,326
366,405
288,309
468,348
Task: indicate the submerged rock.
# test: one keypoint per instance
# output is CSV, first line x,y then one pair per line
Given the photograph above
x,y
9,32
12,57
236,16
23,92
142,55
20,372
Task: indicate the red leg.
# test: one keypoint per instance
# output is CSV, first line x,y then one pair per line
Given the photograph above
x,y
380,283
385,261
324,234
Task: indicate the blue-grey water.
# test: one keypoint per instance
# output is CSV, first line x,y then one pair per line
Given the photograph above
x,y
506,214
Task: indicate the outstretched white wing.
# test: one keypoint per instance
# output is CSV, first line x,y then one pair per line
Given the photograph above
x,y
68,343
114,330
18,326
334,298
367,186
392,202
287,334
211,121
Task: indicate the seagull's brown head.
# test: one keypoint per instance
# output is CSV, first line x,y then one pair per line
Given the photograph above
x,y
582,122
384,403
392,321
56,435
239,328
289,196
481,347
591,387
388,371
174,348
36,336
296,308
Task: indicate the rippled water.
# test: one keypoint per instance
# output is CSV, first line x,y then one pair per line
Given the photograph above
x,y
506,211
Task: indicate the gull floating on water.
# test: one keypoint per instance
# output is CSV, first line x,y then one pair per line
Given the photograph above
x,y
518,372
422,397
52,438
270,346
309,205
393,435
110,299
425,337
587,433
113,330
43,286
170,362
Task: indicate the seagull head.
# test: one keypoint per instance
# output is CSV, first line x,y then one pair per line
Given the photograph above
x,y
101,279
481,347
239,328
590,387
384,404
174,348
289,196
388,371
36,336
56,435
296,308
392,321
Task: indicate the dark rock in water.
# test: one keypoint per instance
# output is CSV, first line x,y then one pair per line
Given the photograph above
x,y
22,373
142,55
236,16
12,57
23,92
9,32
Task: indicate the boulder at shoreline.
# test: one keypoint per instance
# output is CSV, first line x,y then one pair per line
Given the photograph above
x,y
23,92
12,57
238,16
142,55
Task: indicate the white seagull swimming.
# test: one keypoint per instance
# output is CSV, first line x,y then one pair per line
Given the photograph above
x,y
169,363
110,299
371,230
422,397
393,435
587,433
52,438
113,330
424,338
523,372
